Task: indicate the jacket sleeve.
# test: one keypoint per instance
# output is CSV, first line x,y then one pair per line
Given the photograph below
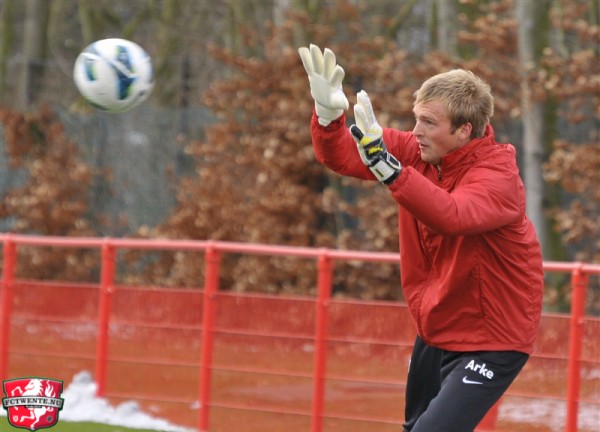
x,y
489,196
335,148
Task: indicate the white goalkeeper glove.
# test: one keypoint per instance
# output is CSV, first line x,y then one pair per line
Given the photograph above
x,y
369,139
325,78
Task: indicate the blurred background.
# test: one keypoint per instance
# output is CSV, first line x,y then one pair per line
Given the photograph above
x,y
222,149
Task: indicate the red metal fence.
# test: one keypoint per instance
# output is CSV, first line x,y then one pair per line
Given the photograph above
x,y
187,347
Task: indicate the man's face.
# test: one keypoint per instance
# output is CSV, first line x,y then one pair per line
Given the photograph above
x,y
434,133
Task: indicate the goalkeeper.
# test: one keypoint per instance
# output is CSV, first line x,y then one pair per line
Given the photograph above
x,y
470,258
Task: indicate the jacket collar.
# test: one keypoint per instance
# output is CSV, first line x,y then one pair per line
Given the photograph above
x,y
466,153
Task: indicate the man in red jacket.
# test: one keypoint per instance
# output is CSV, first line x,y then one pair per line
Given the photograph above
x,y
471,262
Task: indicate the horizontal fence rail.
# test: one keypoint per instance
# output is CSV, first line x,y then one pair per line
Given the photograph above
x,y
315,337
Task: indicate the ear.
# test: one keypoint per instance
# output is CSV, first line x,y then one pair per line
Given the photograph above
x,y
464,131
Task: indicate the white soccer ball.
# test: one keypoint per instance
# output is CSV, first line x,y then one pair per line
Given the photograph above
x,y
114,75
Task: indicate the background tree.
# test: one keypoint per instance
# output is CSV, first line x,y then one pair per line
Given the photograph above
x,y
570,78
34,52
53,198
531,32
444,26
6,19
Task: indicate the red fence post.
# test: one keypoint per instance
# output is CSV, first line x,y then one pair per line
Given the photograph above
x,y
107,279
325,267
6,299
579,282
211,287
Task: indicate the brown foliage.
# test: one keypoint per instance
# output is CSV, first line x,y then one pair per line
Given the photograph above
x,y
52,200
573,78
577,169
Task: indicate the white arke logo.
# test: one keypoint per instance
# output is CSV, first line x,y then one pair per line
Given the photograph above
x,y
479,368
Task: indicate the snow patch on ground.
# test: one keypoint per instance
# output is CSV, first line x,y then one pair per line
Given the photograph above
x,y
549,413
82,405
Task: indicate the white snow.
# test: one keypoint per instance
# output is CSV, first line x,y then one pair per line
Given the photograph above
x,y
549,413
82,405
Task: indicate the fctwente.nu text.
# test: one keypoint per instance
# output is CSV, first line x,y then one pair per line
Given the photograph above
x,y
32,401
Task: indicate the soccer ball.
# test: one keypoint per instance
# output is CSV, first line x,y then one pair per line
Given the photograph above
x,y
114,75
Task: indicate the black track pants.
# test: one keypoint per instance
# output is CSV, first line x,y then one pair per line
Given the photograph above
x,y
451,391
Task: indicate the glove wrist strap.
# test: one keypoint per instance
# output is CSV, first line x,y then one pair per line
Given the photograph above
x,y
386,168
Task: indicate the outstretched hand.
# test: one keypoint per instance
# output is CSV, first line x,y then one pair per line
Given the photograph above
x,y
368,135
325,77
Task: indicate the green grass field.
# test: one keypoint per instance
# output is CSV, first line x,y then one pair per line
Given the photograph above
x,y
63,426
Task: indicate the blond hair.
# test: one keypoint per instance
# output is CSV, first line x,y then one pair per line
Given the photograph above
x,y
467,98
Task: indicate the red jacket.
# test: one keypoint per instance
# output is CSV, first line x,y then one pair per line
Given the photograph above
x,y
471,263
